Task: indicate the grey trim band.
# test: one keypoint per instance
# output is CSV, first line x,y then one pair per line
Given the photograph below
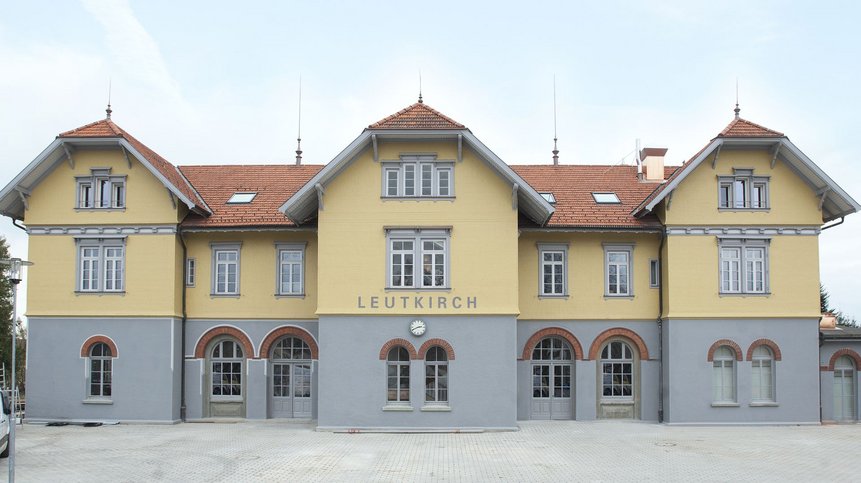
x,y
103,230
742,232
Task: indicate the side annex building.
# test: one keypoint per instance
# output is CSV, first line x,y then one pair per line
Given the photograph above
x,y
418,281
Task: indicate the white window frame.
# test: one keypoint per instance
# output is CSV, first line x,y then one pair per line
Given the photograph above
x,y
221,359
654,273
744,274
631,362
721,362
417,237
398,377
743,184
426,180
436,379
99,275
190,271
757,362
217,248
106,366
628,249
280,250
89,197
553,248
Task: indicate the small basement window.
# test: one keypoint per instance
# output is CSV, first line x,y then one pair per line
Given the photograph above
x,y
548,197
605,198
239,198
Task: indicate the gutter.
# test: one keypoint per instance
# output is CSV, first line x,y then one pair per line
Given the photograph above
x,y
842,218
182,409
660,322
19,226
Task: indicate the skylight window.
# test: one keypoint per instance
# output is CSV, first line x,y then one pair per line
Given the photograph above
x,y
548,197
240,198
605,198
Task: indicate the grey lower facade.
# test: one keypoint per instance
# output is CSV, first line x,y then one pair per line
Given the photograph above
x,y
497,370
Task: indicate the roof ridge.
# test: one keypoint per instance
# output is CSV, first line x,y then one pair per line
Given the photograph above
x,y
414,123
739,120
106,122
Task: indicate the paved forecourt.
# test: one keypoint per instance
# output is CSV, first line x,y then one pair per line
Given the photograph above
x,y
541,451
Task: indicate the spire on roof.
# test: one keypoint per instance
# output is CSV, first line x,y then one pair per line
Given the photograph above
x,y
109,110
299,128
420,87
737,110
555,149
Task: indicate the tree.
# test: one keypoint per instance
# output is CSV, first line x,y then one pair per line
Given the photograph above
x,y
825,307
6,317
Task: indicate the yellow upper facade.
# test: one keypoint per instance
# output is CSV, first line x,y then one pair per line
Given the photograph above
x,y
417,217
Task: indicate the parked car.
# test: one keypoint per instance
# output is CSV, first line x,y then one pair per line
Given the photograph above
x,y
5,421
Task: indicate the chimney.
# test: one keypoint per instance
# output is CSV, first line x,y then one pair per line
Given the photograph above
x,y
653,162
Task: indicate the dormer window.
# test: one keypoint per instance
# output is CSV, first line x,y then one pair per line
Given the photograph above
x,y
100,190
606,198
548,197
240,198
418,177
743,191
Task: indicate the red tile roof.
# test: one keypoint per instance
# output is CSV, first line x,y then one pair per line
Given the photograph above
x,y
742,128
106,128
417,116
573,185
274,184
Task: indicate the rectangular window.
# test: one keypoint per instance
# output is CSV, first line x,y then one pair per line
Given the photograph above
x,y
429,247
723,381
553,271
418,176
617,266
654,273
190,272
743,266
100,190
743,191
101,265
225,269
291,268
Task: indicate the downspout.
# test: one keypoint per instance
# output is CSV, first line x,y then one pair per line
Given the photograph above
x,y
19,226
660,322
182,338
821,343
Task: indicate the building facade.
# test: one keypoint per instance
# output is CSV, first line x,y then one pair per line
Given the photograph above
x,y
417,281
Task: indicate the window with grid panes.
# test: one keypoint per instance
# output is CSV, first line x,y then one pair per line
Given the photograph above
x,y
436,376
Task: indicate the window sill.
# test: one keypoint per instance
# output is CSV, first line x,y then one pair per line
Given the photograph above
x,y
745,294
436,409
225,399
98,401
80,292
764,404
224,295
398,408
289,296
744,210
417,198
725,405
90,210
553,296
617,402
618,297
418,289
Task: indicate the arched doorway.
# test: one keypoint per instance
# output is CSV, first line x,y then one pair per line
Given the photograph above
x,y
844,389
225,378
290,383
552,371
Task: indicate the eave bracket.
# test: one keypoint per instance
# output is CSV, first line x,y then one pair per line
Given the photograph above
x,y
376,150
823,193
515,188
69,156
459,148
320,192
717,155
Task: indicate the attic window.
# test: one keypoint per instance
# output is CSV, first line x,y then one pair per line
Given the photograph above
x,y
240,198
548,197
605,198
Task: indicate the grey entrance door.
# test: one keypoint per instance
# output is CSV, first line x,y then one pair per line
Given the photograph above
x,y
551,380
291,390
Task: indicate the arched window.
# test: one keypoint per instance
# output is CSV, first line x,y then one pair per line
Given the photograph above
x,y
551,349
101,359
723,375
227,369
291,348
398,366
617,369
436,376
844,389
762,375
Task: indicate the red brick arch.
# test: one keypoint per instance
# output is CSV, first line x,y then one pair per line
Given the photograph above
x,y
85,348
285,331
775,350
551,332
432,342
618,332
200,349
844,352
732,345
384,352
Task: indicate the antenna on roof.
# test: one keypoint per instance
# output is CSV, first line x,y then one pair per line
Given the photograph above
x,y
109,110
555,150
299,127
420,87
737,110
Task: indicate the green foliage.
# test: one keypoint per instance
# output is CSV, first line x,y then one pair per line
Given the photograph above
x,y
6,324
825,307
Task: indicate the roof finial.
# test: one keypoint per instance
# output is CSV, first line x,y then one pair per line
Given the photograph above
x,y
299,127
555,150
420,87
109,110
737,110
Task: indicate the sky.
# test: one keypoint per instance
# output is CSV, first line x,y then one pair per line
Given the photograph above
x,y
217,82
